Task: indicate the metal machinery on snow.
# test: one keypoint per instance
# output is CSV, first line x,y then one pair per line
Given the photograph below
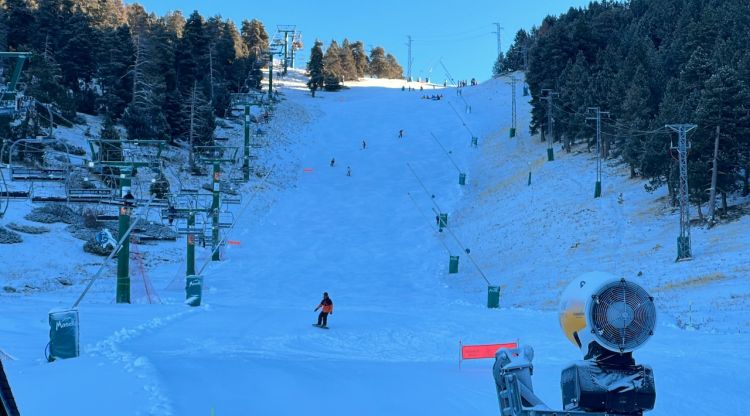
x,y
607,318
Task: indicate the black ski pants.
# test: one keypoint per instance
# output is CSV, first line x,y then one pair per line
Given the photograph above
x,y
323,319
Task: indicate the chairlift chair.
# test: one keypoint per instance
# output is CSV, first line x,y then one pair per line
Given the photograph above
x,y
231,199
49,192
199,228
89,195
226,219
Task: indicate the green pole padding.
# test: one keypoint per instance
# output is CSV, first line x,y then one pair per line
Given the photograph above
x,y
215,210
598,189
493,296
190,270
462,179
63,334
453,265
123,259
123,256
193,290
512,132
246,160
442,221
550,154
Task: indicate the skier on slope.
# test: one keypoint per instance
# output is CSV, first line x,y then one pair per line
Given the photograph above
x,y
364,144
327,308
348,171
333,162
401,133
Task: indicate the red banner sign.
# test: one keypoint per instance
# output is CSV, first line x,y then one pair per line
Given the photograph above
x,y
471,352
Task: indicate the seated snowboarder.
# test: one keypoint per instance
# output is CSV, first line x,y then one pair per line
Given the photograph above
x,y
327,307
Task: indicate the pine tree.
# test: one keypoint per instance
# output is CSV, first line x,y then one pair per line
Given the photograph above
x,y
395,71
332,71
516,57
721,105
315,68
636,118
575,97
378,63
255,41
46,84
143,118
192,57
48,21
498,68
20,24
361,63
77,40
114,74
348,66
200,120
3,32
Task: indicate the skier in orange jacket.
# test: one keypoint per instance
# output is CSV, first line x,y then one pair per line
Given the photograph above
x,y
327,307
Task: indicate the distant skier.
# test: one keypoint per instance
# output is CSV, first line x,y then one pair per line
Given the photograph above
x,y
401,133
333,162
364,144
327,308
348,171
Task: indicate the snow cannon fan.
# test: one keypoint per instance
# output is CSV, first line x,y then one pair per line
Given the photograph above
x,y
607,318
597,311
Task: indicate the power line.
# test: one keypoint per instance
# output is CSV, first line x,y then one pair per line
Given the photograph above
x,y
447,36
454,39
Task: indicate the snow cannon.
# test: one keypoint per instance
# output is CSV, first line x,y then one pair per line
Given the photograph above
x,y
607,318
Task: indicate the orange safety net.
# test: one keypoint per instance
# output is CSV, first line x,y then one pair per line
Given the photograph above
x,y
470,352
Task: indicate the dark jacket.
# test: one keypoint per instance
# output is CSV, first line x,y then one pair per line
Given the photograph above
x,y
327,305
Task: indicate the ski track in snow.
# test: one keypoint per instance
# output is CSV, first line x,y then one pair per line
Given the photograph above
x,y
113,349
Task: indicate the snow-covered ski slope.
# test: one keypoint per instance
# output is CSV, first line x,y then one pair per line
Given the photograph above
x,y
398,318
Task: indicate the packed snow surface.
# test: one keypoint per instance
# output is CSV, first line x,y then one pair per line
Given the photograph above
x,y
370,240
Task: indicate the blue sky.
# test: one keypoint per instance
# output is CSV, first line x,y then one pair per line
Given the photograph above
x,y
458,32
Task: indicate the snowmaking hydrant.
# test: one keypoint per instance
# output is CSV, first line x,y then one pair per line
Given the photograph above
x,y
607,318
